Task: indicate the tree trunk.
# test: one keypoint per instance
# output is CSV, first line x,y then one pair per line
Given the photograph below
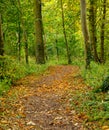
x,y
19,42
26,46
65,36
85,34
1,38
102,60
40,58
24,32
92,29
57,50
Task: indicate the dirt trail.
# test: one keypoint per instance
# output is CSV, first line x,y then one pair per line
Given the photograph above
x,y
43,103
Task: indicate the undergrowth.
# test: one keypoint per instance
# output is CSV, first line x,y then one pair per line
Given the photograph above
x,y
93,103
12,70
95,76
92,108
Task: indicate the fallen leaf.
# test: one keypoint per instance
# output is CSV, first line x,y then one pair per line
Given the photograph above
x,y
58,118
105,127
31,123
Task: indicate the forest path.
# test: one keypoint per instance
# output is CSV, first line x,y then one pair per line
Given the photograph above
x,y
43,102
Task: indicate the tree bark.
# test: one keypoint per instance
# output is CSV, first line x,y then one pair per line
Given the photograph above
x,y
19,41
92,29
26,46
24,33
64,32
85,34
57,50
102,60
1,38
40,58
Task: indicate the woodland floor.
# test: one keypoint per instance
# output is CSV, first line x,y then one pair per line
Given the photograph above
x,y
43,102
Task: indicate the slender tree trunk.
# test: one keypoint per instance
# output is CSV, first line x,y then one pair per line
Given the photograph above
x,y
85,33
57,50
64,32
24,33
1,38
45,50
102,60
92,29
40,58
19,42
26,46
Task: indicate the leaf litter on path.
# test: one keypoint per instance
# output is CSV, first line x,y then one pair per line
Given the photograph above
x,y
42,103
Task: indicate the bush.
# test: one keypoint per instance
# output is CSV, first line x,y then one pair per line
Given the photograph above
x,y
12,70
105,86
4,86
96,75
5,71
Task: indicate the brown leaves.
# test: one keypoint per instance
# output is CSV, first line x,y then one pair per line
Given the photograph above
x,y
38,102
105,127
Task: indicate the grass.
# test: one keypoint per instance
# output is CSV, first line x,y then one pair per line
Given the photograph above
x,y
95,106
96,74
11,70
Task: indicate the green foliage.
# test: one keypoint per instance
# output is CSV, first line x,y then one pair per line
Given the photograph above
x,y
94,106
6,73
4,86
96,75
105,85
5,68
11,70
79,61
